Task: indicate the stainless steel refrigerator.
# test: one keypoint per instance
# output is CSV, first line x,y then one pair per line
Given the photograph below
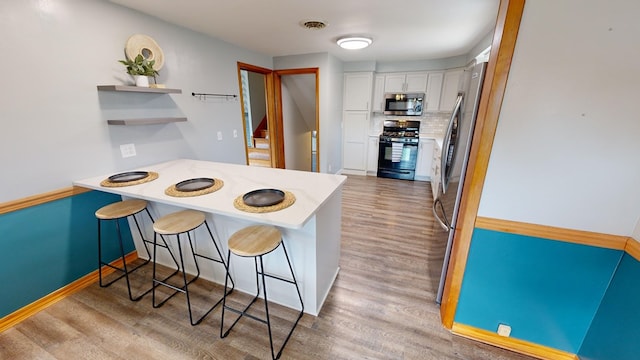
x,y
454,158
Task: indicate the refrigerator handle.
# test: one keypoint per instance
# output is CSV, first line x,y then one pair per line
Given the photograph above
x,y
443,223
447,141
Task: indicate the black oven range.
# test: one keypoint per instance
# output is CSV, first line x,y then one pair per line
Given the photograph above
x,y
398,150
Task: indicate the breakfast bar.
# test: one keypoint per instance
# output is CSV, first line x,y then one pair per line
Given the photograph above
x,y
310,222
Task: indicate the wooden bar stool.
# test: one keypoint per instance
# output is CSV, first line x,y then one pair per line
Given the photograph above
x,y
183,222
115,212
257,241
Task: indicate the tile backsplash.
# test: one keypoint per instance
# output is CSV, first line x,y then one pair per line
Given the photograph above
x,y
430,123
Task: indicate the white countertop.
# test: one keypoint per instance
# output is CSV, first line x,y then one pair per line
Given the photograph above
x,y
437,137
310,189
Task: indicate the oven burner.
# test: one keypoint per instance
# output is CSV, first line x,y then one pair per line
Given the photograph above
x,y
399,130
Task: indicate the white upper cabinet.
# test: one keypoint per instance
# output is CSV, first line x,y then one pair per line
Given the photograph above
x,y
450,86
416,82
402,82
357,91
394,83
434,88
378,94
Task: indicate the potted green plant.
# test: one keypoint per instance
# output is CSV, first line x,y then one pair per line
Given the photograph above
x,y
140,68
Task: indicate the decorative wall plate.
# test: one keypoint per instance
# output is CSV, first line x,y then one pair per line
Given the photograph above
x,y
145,45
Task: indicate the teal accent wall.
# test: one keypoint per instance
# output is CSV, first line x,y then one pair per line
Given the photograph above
x,y
615,331
547,291
48,246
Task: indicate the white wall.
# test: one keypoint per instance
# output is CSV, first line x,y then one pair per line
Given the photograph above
x,y
258,98
302,90
330,103
568,138
54,129
297,151
636,231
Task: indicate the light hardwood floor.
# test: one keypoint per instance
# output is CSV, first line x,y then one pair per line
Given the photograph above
x,y
381,306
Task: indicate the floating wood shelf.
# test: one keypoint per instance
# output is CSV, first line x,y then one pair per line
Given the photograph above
x,y
138,89
146,121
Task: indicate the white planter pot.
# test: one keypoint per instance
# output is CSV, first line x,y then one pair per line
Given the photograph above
x,y
141,80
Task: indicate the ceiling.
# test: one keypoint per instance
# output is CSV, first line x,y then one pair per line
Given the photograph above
x,y
401,30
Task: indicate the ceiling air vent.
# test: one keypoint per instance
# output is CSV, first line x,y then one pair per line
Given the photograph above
x,y
314,24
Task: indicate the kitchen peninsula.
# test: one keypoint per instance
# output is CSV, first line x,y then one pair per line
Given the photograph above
x,y
310,226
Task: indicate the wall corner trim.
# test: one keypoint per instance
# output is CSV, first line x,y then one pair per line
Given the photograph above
x,y
513,344
632,247
22,314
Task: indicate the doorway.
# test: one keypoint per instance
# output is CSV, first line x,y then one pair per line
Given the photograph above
x,y
256,94
297,118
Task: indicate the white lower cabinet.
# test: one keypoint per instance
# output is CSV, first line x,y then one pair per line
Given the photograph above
x,y
355,129
435,169
372,159
425,159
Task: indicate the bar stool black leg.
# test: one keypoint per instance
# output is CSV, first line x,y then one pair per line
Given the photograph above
x,y
266,310
155,282
218,261
260,275
185,288
124,270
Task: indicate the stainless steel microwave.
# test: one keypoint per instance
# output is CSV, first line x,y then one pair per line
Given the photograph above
x,y
409,104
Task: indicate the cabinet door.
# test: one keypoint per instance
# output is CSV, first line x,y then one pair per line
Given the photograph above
x,y
450,87
378,94
425,158
372,158
357,91
394,83
416,82
354,150
434,87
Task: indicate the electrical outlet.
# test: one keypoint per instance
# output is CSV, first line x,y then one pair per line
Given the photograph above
x,y
128,150
235,133
504,330
219,135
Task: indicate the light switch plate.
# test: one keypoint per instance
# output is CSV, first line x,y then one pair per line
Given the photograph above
x,y
219,135
128,150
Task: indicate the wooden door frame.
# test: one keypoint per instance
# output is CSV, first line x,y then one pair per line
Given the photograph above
x,y
493,89
278,127
270,106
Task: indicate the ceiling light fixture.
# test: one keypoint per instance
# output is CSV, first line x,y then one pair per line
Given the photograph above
x,y
354,42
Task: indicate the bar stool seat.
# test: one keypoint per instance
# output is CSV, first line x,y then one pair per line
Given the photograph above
x,y
257,241
115,212
178,223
